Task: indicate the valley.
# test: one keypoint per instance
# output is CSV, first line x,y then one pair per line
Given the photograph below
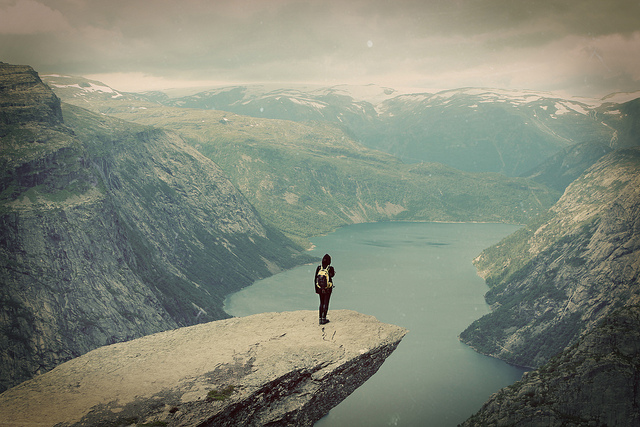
x,y
308,178
128,214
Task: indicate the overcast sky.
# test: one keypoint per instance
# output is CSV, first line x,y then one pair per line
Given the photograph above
x,y
575,47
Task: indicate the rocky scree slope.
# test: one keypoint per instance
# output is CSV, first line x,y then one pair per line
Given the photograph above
x,y
111,231
555,279
278,369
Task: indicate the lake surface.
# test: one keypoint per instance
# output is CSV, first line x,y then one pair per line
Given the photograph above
x,y
416,275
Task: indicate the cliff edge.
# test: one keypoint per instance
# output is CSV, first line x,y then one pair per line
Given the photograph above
x,y
565,299
270,368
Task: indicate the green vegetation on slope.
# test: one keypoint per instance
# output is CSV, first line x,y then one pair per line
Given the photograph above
x,y
309,178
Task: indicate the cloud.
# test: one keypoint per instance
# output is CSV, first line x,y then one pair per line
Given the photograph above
x,y
541,44
140,82
30,17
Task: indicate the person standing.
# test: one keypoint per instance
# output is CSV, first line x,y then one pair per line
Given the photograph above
x,y
323,281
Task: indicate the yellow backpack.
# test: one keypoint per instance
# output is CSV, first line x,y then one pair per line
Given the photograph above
x,y
323,281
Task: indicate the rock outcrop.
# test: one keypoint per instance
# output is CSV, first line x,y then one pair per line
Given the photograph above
x,y
593,383
266,369
110,231
555,279
23,97
566,300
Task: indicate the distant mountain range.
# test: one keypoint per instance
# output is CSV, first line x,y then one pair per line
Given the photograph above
x,y
471,129
309,177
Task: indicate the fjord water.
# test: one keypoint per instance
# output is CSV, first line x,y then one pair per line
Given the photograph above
x,y
416,275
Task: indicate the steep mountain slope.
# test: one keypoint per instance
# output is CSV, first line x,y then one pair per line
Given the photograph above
x,y
565,166
478,129
625,118
562,168
593,383
558,277
309,178
111,231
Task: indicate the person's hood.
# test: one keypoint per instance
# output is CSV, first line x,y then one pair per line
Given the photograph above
x,y
326,260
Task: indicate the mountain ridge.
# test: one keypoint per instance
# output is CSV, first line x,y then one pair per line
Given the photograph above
x,y
343,182
501,130
111,231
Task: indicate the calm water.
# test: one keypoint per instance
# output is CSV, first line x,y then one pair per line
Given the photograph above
x,y
416,275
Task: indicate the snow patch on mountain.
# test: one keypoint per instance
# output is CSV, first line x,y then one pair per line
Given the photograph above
x,y
621,97
568,107
560,109
82,86
308,103
579,108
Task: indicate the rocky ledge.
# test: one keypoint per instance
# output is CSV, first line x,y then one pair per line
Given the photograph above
x,y
265,369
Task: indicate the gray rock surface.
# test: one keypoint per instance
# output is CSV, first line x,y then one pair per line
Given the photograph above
x,y
566,299
594,383
110,231
270,368
24,98
554,280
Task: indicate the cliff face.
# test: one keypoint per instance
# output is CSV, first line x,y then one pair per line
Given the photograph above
x,y
23,97
267,369
111,231
594,382
566,299
556,279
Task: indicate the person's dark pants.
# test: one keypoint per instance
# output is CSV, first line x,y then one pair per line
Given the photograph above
x,y
324,304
